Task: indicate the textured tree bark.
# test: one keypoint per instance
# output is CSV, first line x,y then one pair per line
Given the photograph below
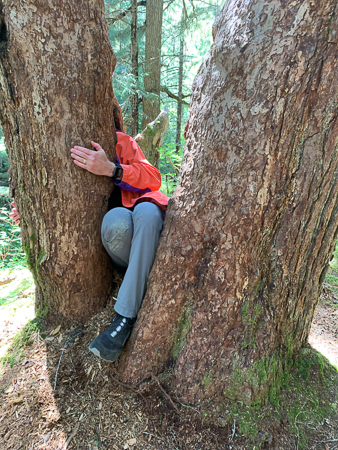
x,y
134,68
152,138
252,225
56,67
152,61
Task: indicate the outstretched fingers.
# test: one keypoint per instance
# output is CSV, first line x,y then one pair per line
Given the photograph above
x,y
14,215
81,156
82,150
95,161
81,163
96,145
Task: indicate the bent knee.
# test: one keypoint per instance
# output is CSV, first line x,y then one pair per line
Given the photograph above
x,y
148,214
116,228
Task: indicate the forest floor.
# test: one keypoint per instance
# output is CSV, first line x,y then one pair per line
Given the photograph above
x,y
83,406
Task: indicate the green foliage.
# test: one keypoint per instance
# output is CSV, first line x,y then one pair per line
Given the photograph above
x,y
170,163
4,163
198,19
11,253
23,285
21,340
331,279
208,378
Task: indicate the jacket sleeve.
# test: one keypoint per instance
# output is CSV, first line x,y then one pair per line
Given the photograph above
x,y
138,174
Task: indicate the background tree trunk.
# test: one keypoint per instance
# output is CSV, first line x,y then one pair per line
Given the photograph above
x,y
56,67
152,138
134,68
180,85
152,60
252,225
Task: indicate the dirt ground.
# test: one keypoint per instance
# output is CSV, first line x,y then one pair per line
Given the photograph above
x,y
324,330
79,404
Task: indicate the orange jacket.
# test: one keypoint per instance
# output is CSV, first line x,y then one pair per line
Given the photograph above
x,y
141,181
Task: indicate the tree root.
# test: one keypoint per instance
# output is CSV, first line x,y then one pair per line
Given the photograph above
x,y
137,391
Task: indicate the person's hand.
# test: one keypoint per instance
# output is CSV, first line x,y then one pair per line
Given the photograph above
x,y
95,161
15,214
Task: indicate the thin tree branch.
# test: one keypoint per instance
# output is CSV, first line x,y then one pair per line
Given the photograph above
x,y
171,163
168,5
185,14
111,21
175,97
193,8
154,378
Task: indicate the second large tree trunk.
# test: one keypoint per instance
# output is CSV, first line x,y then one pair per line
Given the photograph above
x,y
252,225
56,68
152,60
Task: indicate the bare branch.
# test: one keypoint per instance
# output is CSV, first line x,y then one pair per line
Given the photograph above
x,y
111,21
175,97
152,137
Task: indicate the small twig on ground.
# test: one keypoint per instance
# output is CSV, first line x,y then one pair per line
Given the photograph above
x,y
167,396
311,428
301,409
190,407
76,392
45,439
98,435
153,435
86,384
76,429
233,430
36,444
73,335
174,436
127,386
153,377
57,370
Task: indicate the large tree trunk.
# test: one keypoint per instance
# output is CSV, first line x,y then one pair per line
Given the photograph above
x,y
152,61
56,67
252,225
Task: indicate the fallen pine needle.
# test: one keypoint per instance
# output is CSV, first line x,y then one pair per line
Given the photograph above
x,y
74,432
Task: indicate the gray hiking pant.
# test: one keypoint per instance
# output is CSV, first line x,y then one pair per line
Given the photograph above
x,y
131,239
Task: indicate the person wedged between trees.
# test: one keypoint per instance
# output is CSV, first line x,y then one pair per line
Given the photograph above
x,y
130,230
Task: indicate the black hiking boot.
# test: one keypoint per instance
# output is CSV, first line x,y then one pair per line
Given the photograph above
x,y
109,344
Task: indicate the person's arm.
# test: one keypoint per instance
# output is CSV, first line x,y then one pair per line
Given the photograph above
x,y
15,214
138,174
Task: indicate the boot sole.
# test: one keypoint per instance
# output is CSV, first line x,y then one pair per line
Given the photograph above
x,y
96,352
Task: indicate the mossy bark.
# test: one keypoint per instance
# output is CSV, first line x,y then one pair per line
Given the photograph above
x,y
251,227
152,138
56,67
